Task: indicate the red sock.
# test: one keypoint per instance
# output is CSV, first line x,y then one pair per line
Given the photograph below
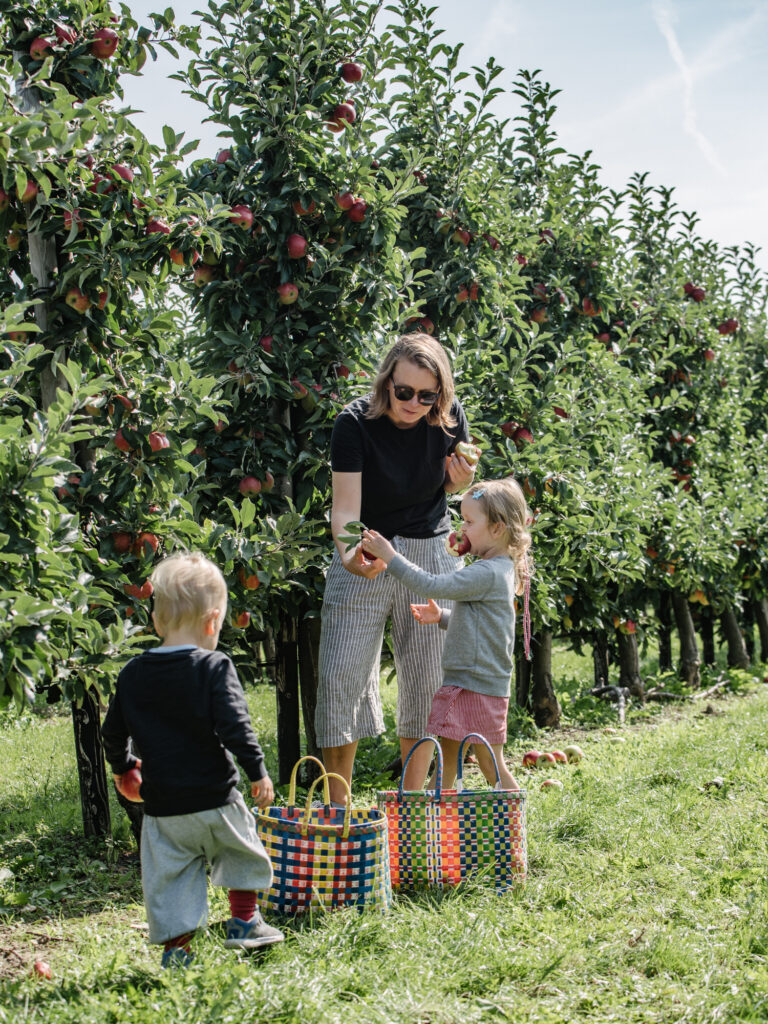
x,y
242,903
180,942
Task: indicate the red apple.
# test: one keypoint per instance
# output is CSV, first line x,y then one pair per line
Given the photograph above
x,y
351,72
589,307
530,758
492,241
266,343
40,47
202,275
29,192
560,756
509,428
13,240
140,592
158,441
242,620
344,200
296,246
545,760
157,227
146,545
709,354
287,293
104,43
249,485
73,217
522,260
344,113
461,236
122,542
698,294
357,210
522,436
18,337
540,315
76,300
551,784
129,785
122,443
269,481
455,544
561,413
123,171
241,216
304,211
223,155
688,287
249,581
40,969
64,33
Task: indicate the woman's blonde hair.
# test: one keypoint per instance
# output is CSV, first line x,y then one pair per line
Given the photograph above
x,y
424,351
187,587
503,501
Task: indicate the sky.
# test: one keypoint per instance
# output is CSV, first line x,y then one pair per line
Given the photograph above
x,y
677,88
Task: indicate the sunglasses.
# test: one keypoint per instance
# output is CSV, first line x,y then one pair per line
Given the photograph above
x,y
404,393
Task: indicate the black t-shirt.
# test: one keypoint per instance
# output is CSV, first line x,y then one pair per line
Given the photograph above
x,y
185,710
403,483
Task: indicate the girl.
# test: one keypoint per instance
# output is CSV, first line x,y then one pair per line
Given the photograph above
x,y
480,630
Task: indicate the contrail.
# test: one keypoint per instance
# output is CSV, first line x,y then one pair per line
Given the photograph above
x,y
663,17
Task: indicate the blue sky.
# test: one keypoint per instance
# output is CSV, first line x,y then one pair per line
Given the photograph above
x,y
678,88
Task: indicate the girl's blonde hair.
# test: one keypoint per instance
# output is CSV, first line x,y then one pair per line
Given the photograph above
x,y
424,351
187,587
503,501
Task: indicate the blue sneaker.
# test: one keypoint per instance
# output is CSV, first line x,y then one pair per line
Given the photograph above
x,y
176,957
251,934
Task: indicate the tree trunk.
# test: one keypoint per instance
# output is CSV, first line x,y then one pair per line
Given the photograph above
x,y
546,710
690,663
309,651
761,618
737,651
601,658
665,631
522,680
707,629
749,629
629,665
94,798
287,690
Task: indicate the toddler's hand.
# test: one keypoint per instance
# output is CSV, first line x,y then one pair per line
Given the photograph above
x,y
374,544
263,792
427,613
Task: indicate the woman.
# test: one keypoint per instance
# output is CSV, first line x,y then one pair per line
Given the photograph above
x,y
393,461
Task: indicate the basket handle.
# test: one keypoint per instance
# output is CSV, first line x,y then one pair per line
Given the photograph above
x,y
460,766
294,776
439,773
308,809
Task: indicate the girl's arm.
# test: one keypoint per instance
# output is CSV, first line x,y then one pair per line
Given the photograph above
x,y
467,584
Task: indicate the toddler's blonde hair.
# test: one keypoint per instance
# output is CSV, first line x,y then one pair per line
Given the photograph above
x,y
503,502
187,586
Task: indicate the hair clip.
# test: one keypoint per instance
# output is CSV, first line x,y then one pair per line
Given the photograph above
x,y
478,494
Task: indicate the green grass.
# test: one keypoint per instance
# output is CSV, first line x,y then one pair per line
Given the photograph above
x,y
647,899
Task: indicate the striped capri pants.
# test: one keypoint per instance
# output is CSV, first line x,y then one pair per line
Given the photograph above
x,y
354,613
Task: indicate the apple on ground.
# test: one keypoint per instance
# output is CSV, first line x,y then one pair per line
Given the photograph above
x,y
351,72
40,969
249,580
104,43
129,785
249,485
530,758
545,760
560,756
469,451
574,753
456,545
551,784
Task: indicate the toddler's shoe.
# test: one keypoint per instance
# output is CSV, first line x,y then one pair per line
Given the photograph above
x,y
251,934
176,957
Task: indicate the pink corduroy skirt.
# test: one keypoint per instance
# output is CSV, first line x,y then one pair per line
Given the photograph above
x,y
456,712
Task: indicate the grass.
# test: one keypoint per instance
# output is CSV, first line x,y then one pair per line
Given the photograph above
x,y
647,897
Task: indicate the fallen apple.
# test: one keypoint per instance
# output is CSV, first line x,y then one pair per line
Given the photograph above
x,y
560,756
551,784
574,753
546,760
530,758
40,969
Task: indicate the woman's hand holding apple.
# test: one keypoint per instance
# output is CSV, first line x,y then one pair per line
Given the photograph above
x,y
427,614
459,473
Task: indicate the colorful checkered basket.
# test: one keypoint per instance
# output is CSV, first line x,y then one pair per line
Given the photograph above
x,y
324,856
441,837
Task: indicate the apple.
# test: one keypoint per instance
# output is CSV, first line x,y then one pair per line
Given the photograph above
x,y
456,545
40,969
560,756
146,545
122,542
709,354
249,581
468,451
29,192
462,295
65,33
540,315
460,236
522,436
546,234
357,211
545,760
123,171
343,113
351,72
296,246
492,241
304,211
574,753
522,260
688,287
39,48
728,327
223,155
269,481
560,413
242,620
344,200
73,217
287,293
249,485
509,428
104,43
158,441
122,443
589,307
531,758
698,294
13,240
266,343
157,227
242,216
17,337
76,300
141,593
474,289
551,784
129,785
